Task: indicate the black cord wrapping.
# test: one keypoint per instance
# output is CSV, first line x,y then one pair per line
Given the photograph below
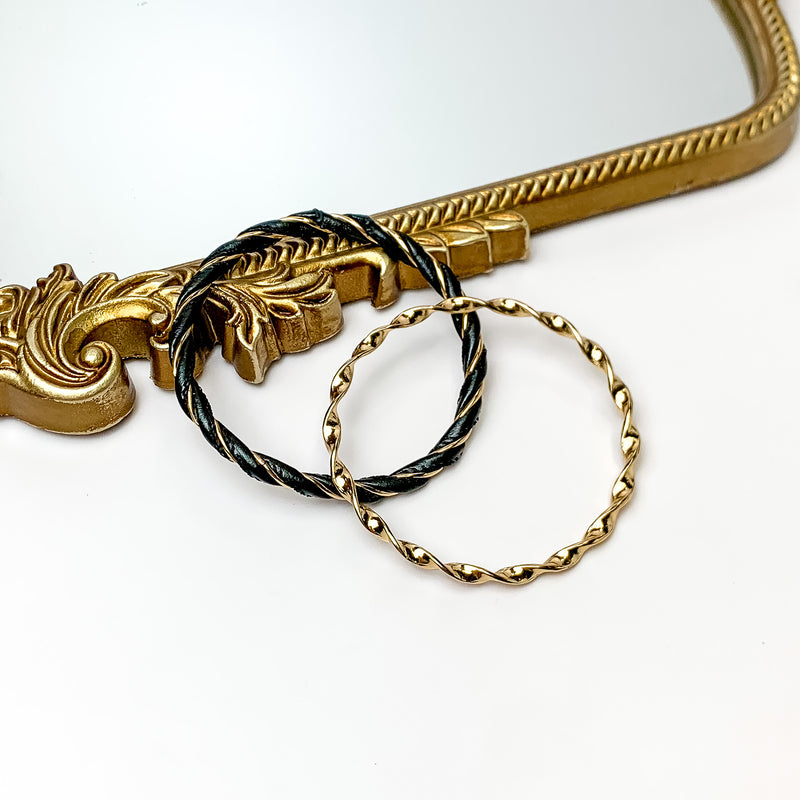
x,y
307,226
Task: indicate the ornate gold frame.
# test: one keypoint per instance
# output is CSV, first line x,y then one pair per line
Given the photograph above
x,y
63,342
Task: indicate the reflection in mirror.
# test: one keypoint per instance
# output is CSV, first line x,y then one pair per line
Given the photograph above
x,y
216,115
552,82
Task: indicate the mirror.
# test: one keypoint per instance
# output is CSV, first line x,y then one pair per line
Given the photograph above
x,y
471,231
154,119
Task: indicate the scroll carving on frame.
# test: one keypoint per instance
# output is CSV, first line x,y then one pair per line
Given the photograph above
x,y
63,342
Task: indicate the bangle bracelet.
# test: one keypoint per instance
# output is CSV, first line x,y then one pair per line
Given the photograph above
x,y
307,226
519,574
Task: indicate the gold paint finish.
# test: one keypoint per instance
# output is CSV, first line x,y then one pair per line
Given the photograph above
x,y
519,574
63,342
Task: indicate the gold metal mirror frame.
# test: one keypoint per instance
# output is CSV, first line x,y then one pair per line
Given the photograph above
x,y
63,342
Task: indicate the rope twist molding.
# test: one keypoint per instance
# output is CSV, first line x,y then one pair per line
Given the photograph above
x,y
63,342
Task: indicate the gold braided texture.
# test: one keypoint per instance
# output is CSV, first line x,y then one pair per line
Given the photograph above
x,y
519,574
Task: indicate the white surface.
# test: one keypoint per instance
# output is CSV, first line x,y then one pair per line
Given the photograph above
x,y
268,647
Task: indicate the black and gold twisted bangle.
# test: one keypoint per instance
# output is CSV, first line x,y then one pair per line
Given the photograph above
x,y
186,336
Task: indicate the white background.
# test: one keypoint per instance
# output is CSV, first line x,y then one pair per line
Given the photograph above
x,y
170,628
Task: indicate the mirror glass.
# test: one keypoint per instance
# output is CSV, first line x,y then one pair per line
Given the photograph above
x,y
176,119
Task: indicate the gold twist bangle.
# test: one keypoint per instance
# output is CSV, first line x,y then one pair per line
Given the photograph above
x,y
519,574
